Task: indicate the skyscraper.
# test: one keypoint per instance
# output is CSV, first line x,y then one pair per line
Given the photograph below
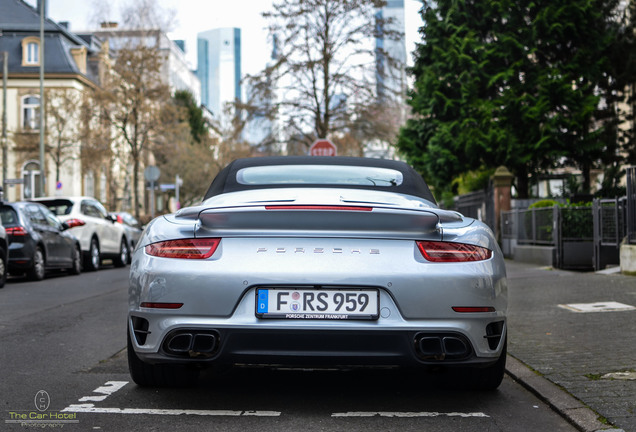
x,y
391,51
219,67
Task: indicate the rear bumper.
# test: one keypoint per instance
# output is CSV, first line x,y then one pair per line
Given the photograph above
x,y
315,348
20,256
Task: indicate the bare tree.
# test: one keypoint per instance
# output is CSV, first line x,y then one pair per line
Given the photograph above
x,y
63,108
326,69
134,100
135,96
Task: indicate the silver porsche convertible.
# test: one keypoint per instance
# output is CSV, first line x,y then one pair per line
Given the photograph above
x,y
316,262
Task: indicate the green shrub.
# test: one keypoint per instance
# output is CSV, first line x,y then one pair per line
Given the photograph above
x,y
544,203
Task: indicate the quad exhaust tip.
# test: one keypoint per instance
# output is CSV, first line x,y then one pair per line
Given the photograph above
x,y
191,343
442,347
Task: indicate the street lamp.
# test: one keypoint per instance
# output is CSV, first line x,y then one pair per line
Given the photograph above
x,y
42,122
5,72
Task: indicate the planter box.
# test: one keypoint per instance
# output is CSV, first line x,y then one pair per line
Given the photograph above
x,y
577,255
541,255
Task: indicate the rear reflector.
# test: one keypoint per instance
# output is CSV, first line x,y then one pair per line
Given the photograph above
x,y
317,207
184,248
452,252
161,305
472,309
16,231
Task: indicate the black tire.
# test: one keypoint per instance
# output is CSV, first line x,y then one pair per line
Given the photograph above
x,y
38,270
489,378
121,260
158,375
3,268
76,268
93,260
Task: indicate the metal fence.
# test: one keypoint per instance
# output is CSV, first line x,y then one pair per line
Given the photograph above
x,y
583,237
532,226
477,205
630,211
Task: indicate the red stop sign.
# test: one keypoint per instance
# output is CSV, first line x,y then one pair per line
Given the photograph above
x,y
322,147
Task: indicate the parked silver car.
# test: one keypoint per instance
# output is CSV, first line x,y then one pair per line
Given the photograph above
x,y
100,236
319,261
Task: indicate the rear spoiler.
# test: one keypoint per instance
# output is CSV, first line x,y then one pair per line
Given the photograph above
x,y
319,221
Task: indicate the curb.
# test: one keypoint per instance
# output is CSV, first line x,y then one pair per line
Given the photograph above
x,y
570,408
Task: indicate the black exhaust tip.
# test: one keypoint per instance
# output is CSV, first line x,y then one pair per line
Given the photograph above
x,y
180,343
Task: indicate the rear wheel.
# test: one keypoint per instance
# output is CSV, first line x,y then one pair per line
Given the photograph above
x,y
121,260
489,378
76,267
158,375
94,260
37,271
3,267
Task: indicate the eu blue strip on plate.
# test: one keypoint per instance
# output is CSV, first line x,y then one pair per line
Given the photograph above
x,y
262,301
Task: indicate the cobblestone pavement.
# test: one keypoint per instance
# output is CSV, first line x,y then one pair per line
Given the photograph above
x,y
591,355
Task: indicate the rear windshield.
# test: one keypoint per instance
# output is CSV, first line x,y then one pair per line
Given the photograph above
x,y
59,207
319,175
8,216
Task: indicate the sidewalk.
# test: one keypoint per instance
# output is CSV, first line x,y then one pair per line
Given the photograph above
x,y
591,355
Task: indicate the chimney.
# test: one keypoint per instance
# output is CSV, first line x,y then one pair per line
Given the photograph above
x,y
46,7
108,25
65,25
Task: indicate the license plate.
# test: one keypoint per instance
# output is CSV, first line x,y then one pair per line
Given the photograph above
x,y
317,304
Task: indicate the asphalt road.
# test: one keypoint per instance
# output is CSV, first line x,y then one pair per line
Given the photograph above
x,y
63,363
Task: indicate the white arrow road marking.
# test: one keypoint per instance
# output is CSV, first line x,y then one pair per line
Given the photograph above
x,y
407,414
106,390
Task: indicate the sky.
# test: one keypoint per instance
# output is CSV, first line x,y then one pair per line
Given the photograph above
x,y
195,16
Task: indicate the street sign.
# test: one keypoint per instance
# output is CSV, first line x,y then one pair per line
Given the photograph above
x,y
152,173
13,181
322,147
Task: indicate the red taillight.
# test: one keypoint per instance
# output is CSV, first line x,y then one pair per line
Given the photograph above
x,y
16,231
317,207
452,252
161,305
184,248
75,223
473,309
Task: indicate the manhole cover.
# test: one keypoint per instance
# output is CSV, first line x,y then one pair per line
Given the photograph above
x,y
597,307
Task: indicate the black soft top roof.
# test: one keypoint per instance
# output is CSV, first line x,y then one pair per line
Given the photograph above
x,y
412,184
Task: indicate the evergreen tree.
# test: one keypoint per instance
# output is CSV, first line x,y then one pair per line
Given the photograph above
x,y
514,83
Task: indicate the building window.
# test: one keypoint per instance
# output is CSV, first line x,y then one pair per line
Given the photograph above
x,y
31,112
31,180
89,184
31,51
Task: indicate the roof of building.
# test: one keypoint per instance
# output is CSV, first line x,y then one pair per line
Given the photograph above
x,y
19,20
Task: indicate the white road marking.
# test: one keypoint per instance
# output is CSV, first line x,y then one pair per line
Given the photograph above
x,y
106,390
407,414
111,387
597,307
90,408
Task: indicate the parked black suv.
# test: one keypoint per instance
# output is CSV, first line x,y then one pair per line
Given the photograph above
x,y
38,241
